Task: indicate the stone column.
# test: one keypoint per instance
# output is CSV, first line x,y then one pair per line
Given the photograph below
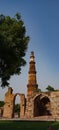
x,y
22,105
8,106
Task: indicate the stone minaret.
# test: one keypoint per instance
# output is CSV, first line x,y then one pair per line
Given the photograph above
x,y
32,82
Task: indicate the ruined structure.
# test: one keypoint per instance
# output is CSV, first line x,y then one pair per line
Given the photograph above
x,y
10,104
37,105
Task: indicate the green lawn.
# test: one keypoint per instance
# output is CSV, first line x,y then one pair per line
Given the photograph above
x,y
27,125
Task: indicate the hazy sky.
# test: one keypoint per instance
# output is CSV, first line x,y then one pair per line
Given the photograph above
x,y
41,18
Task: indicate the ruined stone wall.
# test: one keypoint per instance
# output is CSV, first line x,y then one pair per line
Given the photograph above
x,y
22,105
27,105
10,104
30,106
54,104
54,97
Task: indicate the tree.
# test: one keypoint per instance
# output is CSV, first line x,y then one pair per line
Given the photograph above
x,y
50,88
38,90
13,46
1,103
17,108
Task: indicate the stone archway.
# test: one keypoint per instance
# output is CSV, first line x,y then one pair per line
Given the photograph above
x,y
41,106
10,102
22,104
16,114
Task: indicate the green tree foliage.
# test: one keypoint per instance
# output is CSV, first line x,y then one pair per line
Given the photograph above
x,y
13,46
1,103
17,108
38,90
50,88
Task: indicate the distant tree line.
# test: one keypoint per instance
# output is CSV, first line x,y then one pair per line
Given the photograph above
x,y
17,108
1,103
49,88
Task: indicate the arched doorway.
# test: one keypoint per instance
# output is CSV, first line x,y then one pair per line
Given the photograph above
x,y
16,106
41,106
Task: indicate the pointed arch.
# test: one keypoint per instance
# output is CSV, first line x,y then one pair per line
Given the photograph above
x,y
22,104
41,106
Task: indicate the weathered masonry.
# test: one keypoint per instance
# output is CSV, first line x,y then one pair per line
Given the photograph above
x,y
42,105
10,104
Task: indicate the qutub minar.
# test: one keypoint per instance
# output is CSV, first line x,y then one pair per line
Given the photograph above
x,y
36,105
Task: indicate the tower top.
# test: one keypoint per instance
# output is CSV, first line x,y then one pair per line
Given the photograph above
x,y
32,53
32,56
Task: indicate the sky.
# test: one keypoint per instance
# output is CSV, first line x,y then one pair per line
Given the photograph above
x,y
41,18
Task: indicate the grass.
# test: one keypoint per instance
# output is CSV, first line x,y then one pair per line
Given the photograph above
x,y
27,125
